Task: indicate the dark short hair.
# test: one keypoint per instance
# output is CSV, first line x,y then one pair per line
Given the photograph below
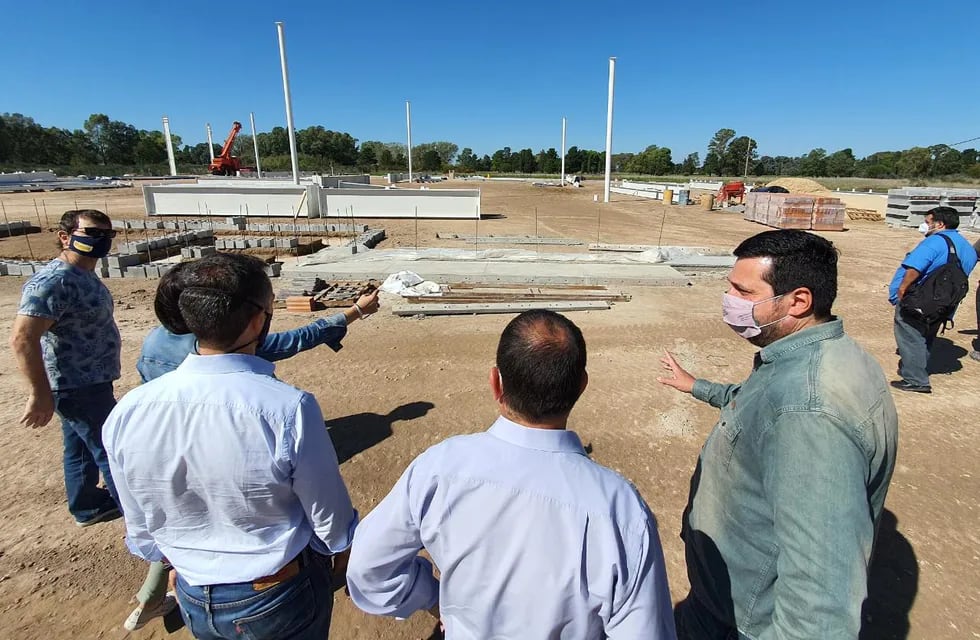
x,y
541,359
946,215
69,219
221,294
799,259
166,302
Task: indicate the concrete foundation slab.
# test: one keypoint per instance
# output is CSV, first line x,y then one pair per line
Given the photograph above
x,y
494,307
488,272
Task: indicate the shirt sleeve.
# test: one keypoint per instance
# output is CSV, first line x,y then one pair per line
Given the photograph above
x,y
930,251
317,481
643,609
329,331
817,484
138,539
46,297
714,393
385,575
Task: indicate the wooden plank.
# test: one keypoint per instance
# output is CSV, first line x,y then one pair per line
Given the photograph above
x,y
495,307
518,297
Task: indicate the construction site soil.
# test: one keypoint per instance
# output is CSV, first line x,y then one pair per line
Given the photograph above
x,y
401,385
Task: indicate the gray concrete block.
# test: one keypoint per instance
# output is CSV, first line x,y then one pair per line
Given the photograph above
x,y
187,252
240,244
114,272
203,252
273,269
136,272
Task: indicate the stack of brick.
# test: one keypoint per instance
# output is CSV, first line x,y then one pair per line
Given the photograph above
x,y
795,211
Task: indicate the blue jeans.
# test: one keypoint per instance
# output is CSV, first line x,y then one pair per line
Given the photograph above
x,y
913,344
298,609
82,412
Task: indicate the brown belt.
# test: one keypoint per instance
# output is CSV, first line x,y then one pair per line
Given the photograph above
x,y
288,572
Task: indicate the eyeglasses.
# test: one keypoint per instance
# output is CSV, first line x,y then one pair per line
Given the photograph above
x,y
98,232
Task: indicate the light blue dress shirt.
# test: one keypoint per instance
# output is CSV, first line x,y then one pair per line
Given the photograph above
x,y
226,471
532,540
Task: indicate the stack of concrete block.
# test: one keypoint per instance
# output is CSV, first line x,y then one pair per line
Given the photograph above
x,y
197,252
20,268
370,238
907,207
256,243
169,240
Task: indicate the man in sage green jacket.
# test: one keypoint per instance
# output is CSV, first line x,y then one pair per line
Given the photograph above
x,y
791,482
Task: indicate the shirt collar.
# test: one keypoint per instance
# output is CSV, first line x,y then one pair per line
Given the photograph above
x,y
824,331
554,440
227,363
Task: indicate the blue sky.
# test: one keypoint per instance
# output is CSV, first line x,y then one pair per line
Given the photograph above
x,y
869,74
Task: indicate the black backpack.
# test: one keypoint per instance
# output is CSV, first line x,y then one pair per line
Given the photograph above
x,y
934,299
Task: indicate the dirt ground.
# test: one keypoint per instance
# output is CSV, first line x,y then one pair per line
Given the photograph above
x,y
401,385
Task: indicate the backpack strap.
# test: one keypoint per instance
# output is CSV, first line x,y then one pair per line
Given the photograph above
x,y
952,255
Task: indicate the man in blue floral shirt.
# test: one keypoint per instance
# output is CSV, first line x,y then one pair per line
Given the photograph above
x,y
67,345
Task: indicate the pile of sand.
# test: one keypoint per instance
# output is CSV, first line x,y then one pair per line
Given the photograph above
x,y
799,185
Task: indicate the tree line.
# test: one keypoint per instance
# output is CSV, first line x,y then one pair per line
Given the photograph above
x,y
115,146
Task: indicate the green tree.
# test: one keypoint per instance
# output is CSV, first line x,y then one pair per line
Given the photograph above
x,y
740,154
467,160
502,160
653,160
690,165
946,161
717,146
430,160
97,128
366,159
841,163
385,159
814,163
915,162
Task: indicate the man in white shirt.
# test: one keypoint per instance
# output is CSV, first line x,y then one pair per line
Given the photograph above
x,y
230,474
532,538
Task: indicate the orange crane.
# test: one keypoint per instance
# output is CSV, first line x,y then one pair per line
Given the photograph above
x,y
226,164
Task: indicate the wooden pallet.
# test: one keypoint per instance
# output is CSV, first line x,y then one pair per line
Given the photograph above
x,y
310,295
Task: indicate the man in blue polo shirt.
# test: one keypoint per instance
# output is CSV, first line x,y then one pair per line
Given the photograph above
x,y
914,343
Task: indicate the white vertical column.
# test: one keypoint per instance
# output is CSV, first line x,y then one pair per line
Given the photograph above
x,y
562,152
289,102
408,120
609,125
255,144
210,142
170,146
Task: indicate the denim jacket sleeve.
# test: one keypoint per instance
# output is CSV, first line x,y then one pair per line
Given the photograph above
x,y
714,393
329,331
815,479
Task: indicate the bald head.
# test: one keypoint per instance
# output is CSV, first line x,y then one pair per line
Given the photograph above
x,y
541,359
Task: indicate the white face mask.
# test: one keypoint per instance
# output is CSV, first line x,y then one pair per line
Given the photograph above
x,y
738,313
924,228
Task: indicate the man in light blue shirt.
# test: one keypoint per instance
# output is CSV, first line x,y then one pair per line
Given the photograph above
x,y
532,538
915,341
230,474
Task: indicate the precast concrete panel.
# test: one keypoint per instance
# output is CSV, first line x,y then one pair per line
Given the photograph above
x,y
461,204
203,199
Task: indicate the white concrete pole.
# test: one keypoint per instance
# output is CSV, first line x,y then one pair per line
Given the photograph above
x,y
210,142
609,125
170,146
294,154
255,144
408,120
562,152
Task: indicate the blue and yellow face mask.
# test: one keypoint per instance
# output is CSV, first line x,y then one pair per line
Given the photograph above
x,y
90,247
